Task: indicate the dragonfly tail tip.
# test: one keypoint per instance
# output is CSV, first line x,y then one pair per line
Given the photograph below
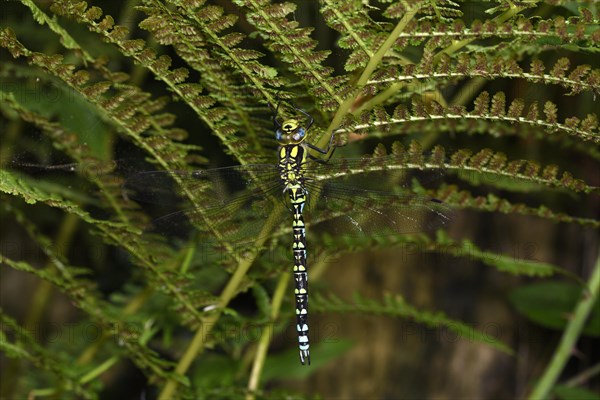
x,y
304,356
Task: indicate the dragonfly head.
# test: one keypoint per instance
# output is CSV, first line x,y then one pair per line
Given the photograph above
x,y
290,132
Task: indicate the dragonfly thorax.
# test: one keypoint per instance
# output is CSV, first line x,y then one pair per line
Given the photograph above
x,y
290,132
292,160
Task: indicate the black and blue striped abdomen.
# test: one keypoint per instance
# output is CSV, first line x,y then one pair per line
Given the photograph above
x,y
298,199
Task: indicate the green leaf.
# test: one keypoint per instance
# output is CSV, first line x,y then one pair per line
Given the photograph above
x,y
550,303
286,366
396,306
214,370
574,393
262,300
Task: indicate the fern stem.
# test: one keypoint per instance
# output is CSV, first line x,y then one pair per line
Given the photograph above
x,y
189,255
99,370
324,260
569,337
197,344
468,91
368,71
44,290
266,335
349,29
454,47
585,376
381,97
548,126
378,56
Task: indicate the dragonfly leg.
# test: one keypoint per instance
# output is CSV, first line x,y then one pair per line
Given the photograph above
x,y
327,151
310,118
276,123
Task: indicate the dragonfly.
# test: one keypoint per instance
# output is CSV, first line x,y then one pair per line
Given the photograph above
x,y
337,196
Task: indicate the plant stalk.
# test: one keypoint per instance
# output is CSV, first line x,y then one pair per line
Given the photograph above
x,y
267,335
544,386
197,344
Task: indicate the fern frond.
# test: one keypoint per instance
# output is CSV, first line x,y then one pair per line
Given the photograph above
x,y
359,32
159,66
444,245
164,152
466,65
69,280
17,342
585,130
297,49
199,39
455,197
92,168
131,118
551,32
114,233
396,306
483,162
66,39
144,357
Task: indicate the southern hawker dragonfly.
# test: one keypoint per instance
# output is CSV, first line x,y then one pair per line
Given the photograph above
x,y
341,196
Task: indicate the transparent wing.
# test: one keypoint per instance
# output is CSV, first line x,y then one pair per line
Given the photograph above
x,y
228,204
346,210
347,196
368,196
373,197
211,188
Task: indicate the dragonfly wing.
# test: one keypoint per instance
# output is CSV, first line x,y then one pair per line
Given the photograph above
x,y
376,173
356,203
365,212
210,187
225,204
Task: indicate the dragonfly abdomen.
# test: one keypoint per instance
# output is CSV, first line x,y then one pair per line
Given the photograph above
x,y
298,199
292,168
